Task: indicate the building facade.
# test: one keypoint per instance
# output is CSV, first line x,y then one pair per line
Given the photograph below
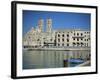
x,y
73,38
58,38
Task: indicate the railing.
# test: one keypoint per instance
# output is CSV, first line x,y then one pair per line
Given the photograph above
x,y
56,46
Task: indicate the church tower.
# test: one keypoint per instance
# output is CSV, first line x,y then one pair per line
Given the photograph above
x,y
49,25
40,25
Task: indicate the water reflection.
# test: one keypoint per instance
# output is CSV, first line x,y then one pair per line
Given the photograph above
x,y
50,59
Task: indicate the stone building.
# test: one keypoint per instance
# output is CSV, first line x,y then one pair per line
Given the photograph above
x,y
73,38
59,38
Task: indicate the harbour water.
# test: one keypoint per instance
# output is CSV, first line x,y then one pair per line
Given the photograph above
x,y
36,59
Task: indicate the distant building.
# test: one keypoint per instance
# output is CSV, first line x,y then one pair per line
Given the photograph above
x,y
73,38
59,38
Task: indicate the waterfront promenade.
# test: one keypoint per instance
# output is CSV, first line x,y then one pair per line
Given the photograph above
x,y
57,48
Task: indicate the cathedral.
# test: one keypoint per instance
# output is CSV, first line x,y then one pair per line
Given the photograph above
x,y
37,37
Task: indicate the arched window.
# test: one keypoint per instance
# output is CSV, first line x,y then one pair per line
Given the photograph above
x,y
81,44
58,40
74,43
63,39
67,44
77,39
67,35
81,34
58,35
77,34
77,44
63,35
67,40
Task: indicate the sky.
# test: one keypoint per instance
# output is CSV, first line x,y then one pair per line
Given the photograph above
x,y
60,20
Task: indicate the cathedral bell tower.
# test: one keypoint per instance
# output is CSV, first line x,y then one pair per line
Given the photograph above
x,y
40,25
49,25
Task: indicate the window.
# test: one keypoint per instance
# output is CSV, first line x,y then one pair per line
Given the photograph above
x,y
85,40
50,39
58,35
77,39
81,43
77,34
63,39
73,38
81,38
67,40
67,35
63,35
38,39
77,44
81,34
58,40
74,34
58,44
67,44
73,43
